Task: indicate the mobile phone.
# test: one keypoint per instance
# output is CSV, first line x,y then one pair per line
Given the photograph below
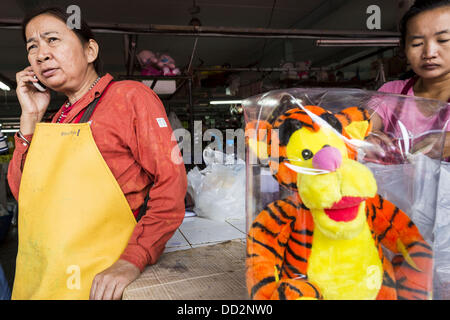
x,y
39,85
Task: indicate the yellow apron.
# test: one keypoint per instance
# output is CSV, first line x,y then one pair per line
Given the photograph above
x,y
74,220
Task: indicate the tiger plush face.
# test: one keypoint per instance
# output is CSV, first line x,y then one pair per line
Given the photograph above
x,y
314,160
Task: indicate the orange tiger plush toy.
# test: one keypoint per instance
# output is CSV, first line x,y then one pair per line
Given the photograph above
x,y
324,242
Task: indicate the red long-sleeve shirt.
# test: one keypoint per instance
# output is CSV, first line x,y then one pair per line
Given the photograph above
x,y
133,134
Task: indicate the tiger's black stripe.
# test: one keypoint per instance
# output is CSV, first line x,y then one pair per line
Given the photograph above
x,y
264,229
421,254
291,203
288,185
261,284
281,244
402,287
302,205
404,298
388,281
307,125
381,203
283,273
303,232
347,117
282,212
383,235
397,261
299,206
418,243
315,290
364,113
300,243
280,159
403,264
293,269
275,253
296,111
295,256
274,216
374,213
282,289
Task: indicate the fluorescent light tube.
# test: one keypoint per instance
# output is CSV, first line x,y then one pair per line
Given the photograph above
x,y
4,86
225,102
357,42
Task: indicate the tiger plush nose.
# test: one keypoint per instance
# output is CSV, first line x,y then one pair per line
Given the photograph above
x,y
328,158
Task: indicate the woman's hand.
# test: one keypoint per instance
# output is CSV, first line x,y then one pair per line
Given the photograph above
x,y
110,284
382,145
33,102
381,138
431,145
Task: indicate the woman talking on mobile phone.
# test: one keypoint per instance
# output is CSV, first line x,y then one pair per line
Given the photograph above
x,y
83,180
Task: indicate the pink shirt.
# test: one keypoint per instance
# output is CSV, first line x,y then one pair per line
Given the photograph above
x,y
392,110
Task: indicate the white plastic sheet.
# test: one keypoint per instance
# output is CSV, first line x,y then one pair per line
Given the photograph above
x,y
219,189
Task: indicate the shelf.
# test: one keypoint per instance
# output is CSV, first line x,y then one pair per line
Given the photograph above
x,y
326,84
140,77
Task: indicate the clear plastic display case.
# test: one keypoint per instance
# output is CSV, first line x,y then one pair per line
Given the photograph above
x,y
342,195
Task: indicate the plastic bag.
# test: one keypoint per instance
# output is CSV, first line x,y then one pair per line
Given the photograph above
x,y
218,190
442,235
352,218
412,187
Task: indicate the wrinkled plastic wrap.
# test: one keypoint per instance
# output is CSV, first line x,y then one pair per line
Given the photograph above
x,y
218,190
338,210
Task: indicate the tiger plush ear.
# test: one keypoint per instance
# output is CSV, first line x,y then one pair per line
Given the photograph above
x,y
355,122
257,136
355,125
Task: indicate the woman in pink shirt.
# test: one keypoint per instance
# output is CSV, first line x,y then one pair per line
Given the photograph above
x,y
425,37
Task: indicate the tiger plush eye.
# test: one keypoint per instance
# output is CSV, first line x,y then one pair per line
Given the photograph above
x,y
307,154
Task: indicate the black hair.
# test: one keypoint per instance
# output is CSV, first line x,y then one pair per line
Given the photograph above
x,y
418,7
84,33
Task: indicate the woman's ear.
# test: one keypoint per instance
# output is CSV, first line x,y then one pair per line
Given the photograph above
x,y
91,50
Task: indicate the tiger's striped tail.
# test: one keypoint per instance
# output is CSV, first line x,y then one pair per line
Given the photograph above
x,y
266,249
413,266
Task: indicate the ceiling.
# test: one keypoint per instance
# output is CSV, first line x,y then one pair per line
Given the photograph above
x,y
334,15
238,52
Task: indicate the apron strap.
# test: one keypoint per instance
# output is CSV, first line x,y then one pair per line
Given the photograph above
x,y
85,118
144,207
91,107
409,85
